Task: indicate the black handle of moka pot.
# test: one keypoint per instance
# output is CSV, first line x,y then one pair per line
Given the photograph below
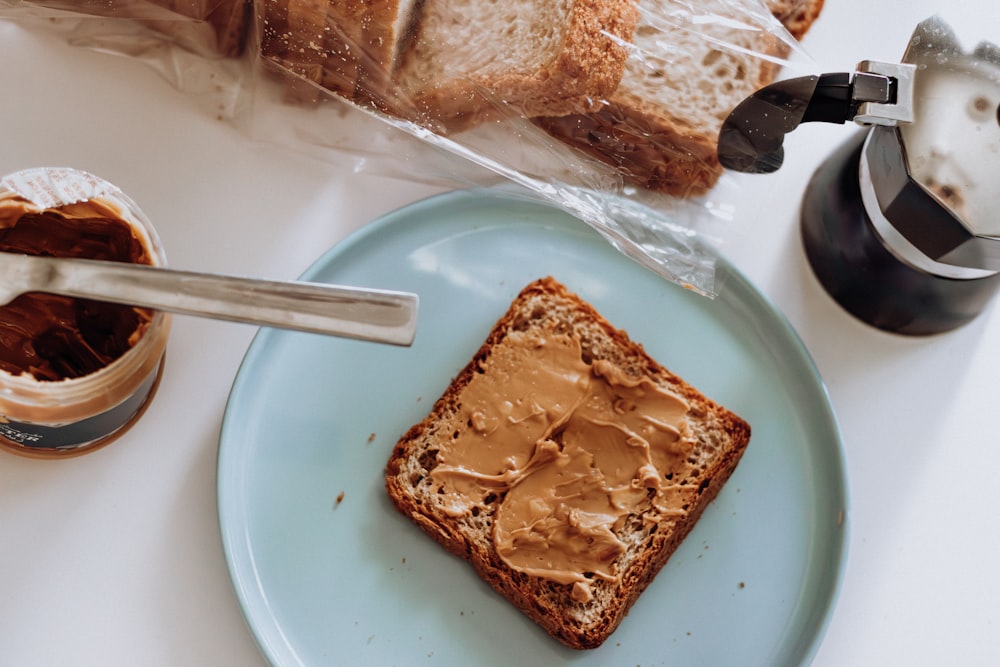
x,y
752,136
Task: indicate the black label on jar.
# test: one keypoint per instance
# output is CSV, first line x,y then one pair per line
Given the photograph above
x,y
80,433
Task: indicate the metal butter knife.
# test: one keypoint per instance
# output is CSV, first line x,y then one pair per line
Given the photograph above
x,y
381,316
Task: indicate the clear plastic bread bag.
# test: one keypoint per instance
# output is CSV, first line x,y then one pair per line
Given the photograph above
x,y
201,47
212,28
606,108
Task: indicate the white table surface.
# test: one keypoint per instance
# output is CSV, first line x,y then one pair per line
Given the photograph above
x,y
114,558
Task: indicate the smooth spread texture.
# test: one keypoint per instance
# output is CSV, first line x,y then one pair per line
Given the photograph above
x,y
573,449
54,337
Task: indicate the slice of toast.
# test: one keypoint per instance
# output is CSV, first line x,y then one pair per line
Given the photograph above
x,y
565,464
660,127
535,57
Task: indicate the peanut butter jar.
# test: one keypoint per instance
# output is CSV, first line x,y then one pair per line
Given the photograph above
x,y
74,373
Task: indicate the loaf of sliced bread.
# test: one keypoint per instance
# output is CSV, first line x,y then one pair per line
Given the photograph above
x,y
643,87
565,464
530,57
660,127
451,63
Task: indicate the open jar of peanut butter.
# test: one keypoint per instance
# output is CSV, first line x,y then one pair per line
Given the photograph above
x,y
74,373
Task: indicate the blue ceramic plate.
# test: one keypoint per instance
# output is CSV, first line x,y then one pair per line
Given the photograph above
x,y
328,573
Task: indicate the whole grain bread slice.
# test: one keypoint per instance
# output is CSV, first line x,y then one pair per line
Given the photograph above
x,y
717,440
660,127
535,57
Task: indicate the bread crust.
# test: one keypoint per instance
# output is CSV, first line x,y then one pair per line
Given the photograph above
x,y
722,439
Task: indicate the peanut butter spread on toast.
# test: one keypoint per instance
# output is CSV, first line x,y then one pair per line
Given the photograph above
x,y
570,451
